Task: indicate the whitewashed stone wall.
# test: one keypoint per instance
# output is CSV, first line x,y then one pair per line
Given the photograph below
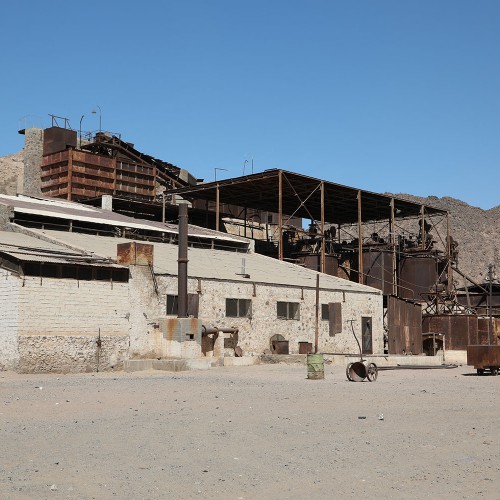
x,y
59,322
145,309
254,333
9,318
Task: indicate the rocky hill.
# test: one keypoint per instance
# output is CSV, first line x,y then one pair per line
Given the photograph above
x,y
477,231
11,173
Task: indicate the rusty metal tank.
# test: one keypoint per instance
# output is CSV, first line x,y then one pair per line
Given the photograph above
x,y
417,275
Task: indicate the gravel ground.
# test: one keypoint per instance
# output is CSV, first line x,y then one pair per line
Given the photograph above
x,y
250,432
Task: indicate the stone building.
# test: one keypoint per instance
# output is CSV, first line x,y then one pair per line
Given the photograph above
x,y
70,302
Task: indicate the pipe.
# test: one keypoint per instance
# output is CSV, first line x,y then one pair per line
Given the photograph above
x,y
210,330
182,261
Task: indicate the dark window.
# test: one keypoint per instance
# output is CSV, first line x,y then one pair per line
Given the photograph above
x,y
85,273
192,305
325,315
172,304
288,310
103,274
69,272
238,308
48,271
366,334
334,318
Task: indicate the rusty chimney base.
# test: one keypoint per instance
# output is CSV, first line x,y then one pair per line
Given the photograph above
x,y
180,337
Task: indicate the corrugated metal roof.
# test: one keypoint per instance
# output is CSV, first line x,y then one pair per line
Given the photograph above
x,y
29,249
68,210
215,264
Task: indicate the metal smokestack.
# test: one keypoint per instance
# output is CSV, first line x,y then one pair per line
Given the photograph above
x,y
182,262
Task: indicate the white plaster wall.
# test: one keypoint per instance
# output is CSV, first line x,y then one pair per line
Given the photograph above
x,y
145,309
9,314
254,333
70,307
59,322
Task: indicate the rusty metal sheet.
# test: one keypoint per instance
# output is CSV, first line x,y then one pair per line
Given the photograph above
x,y
483,356
377,269
417,275
134,254
405,326
459,330
280,347
57,139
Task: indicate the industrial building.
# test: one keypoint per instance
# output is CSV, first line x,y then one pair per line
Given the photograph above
x,y
84,289
257,245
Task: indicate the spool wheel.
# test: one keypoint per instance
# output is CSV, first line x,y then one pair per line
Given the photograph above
x,y
372,372
494,370
480,371
347,370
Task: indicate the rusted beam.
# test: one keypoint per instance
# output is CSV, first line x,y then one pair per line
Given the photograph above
x,y
182,260
280,215
217,208
360,241
393,245
322,227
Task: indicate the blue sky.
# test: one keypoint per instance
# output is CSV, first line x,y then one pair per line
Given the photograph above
x,y
388,96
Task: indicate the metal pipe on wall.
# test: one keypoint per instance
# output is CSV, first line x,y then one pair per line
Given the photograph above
x,y
182,276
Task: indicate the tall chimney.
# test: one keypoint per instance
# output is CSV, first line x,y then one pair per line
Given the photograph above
x,y
182,262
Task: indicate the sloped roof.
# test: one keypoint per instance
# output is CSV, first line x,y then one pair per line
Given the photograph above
x,y
68,210
215,264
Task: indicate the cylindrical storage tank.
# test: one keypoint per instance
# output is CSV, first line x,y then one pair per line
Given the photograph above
x,y
377,270
417,275
315,367
313,261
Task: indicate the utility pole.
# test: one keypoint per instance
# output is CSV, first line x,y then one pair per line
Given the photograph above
x,y
491,269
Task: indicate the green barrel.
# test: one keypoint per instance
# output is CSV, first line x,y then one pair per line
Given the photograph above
x,y
315,367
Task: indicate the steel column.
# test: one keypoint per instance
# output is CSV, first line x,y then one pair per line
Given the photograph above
x,y
448,252
422,228
280,215
360,241
217,208
322,268
393,244
70,174
182,262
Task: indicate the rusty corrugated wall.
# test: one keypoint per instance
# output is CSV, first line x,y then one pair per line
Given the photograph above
x,y
405,326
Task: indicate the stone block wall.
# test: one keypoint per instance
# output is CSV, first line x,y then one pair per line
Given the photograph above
x,y
255,332
32,157
71,353
59,322
9,320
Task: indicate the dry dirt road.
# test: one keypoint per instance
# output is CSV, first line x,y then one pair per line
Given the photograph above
x,y
259,432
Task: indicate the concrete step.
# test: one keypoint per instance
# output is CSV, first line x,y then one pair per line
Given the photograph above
x,y
168,364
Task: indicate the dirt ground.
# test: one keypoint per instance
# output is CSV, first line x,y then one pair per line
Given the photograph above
x,y
250,433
